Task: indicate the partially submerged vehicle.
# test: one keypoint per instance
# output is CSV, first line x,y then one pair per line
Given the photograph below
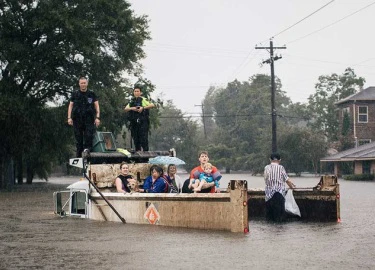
x,y
95,197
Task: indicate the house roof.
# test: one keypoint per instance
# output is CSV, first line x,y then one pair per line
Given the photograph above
x,y
363,152
365,94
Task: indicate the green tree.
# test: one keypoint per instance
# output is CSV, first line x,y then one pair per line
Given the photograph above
x,y
242,115
346,124
176,131
345,137
46,45
242,137
301,149
329,90
54,139
208,122
295,114
222,156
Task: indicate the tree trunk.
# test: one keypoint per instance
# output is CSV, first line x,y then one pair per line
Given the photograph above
x,y
227,170
29,174
7,174
67,168
2,184
19,170
10,175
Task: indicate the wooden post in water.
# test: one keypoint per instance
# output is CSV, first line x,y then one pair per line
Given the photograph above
x,y
337,192
238,200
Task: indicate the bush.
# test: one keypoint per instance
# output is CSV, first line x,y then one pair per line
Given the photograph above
x,y
359,177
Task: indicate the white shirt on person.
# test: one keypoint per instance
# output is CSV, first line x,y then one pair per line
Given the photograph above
x,y
275,177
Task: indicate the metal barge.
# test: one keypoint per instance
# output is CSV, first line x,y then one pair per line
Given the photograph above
x,y
96,198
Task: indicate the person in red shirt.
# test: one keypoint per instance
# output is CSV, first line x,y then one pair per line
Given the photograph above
x,y
194,174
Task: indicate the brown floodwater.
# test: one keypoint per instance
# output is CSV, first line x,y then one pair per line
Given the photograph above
x,y
32,237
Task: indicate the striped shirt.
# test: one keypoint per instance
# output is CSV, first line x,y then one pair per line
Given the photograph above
x,y
275,177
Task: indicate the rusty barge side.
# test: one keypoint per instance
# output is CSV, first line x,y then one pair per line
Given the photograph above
x,y
221,211
321,203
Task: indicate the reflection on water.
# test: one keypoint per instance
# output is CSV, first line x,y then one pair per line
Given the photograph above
x,y
32,237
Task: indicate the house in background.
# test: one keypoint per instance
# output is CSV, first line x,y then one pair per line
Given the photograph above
x,y
359,108
362,156
357,117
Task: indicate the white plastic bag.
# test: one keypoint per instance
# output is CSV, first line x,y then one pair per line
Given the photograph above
x,y
291,206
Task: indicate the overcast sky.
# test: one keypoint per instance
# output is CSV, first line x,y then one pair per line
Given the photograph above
x,y
199,43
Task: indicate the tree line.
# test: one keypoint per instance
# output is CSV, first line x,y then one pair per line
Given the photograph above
x,y
236,125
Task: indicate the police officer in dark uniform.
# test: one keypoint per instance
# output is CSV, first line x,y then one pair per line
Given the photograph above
x,y
138,115
84,116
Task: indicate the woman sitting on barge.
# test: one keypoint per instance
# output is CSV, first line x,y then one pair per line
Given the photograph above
x,y
155,183
173,179
124,179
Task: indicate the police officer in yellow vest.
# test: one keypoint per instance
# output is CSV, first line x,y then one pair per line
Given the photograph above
x,y
138,115
84,116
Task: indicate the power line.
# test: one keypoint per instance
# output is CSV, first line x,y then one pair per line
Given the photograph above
x,y
316,60
299,21
347,16
184,86
326,61
304,18
243,63
182,49
205,53
228,115
176,46
364,61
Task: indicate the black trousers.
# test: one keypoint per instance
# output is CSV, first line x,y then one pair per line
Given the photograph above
x,y
84,130
275,208
139,132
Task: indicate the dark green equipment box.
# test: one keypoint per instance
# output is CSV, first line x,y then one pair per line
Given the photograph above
x,y
103,142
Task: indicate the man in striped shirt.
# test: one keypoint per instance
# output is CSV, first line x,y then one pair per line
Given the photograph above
x,y
275,177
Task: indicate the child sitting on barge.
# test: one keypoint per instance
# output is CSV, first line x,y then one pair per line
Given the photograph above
x,y
194,174
205,177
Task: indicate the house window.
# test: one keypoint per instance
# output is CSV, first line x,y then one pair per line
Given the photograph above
x,y
366,167
364,141
362,114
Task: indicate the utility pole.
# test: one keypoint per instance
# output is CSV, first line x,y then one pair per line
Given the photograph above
x,y
271,61
203,121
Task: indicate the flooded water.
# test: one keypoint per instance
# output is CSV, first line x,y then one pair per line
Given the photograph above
x,y
32,237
